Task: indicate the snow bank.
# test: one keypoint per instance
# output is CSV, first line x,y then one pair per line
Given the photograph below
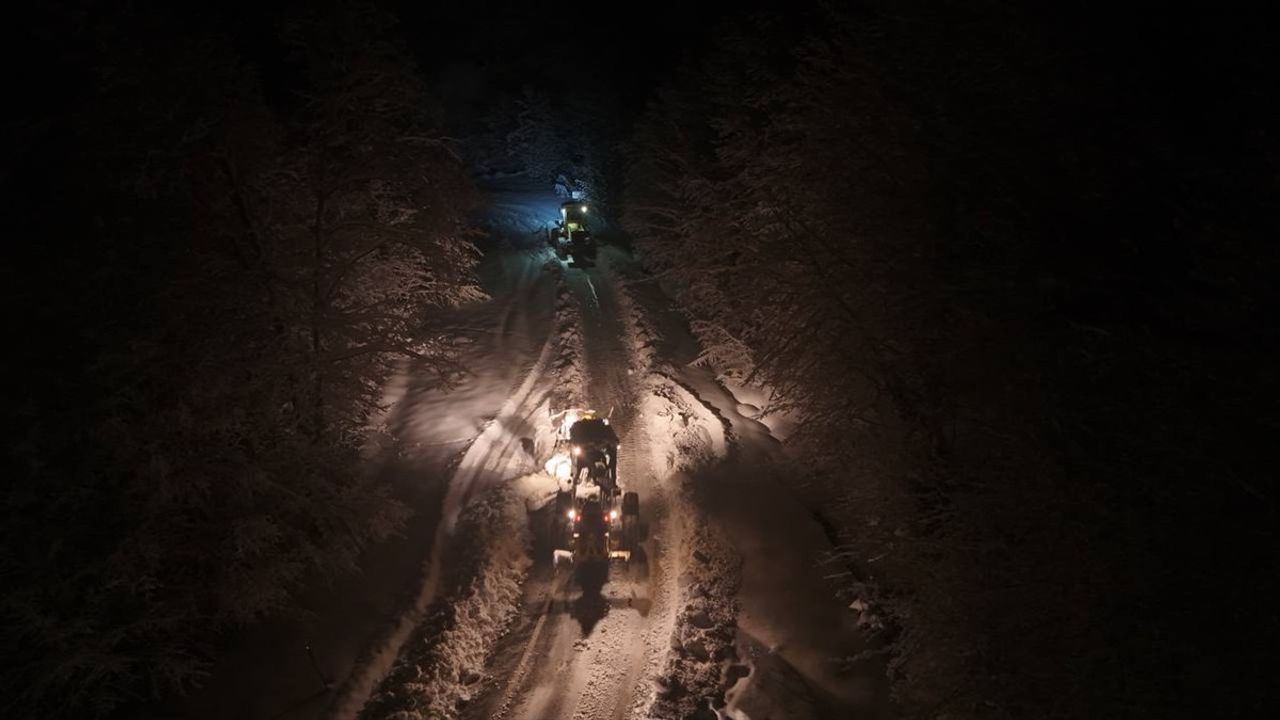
x,y
703,662
685,432
568,365
642,336
442,665
686,435
758,403
444,660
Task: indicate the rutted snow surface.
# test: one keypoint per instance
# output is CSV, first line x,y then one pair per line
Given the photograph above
x,y
702,664
486,534
500,452
585,654
792,630
570,373
700,622
355,624
575,653
661,638
446,656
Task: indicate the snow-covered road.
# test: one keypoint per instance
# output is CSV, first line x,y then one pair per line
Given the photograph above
x,y
470,615
581,652
791,630
355,626
686,439
501,452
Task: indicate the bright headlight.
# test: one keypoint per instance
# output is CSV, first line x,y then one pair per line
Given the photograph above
x,y
613,514
570,514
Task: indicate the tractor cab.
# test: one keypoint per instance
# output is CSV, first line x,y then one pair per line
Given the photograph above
x,y
593,449
571,237
574,215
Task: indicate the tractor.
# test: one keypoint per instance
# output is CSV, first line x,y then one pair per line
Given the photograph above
x,y
602,522
571,238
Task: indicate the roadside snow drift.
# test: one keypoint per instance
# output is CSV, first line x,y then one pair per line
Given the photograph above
x,y
703,662
687,436
570,375
442,666
445,658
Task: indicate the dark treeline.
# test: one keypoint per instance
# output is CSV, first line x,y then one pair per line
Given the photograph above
x,y
1012,271
564,140
221,233
551,89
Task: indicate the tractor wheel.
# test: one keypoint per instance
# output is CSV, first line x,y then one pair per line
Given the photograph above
x,y
630,520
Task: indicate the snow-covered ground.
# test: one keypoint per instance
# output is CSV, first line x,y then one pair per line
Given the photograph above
x,y
582,651
724,611
445,657
355,626
727,610
518,207
791,629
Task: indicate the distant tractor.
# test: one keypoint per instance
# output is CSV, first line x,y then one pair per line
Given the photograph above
x,y
602,521
571,238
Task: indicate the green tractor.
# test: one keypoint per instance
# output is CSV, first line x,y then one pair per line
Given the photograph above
x,y
571,237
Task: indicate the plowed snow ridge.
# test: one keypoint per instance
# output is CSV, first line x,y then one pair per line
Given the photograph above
x,y
496,452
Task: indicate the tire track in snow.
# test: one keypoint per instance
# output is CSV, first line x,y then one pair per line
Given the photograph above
x,y
527,693
528,274
553,668
606,671
479,458
620,643
564,670
522,667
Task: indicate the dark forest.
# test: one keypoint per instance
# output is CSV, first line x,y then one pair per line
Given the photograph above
x,y
1009,272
